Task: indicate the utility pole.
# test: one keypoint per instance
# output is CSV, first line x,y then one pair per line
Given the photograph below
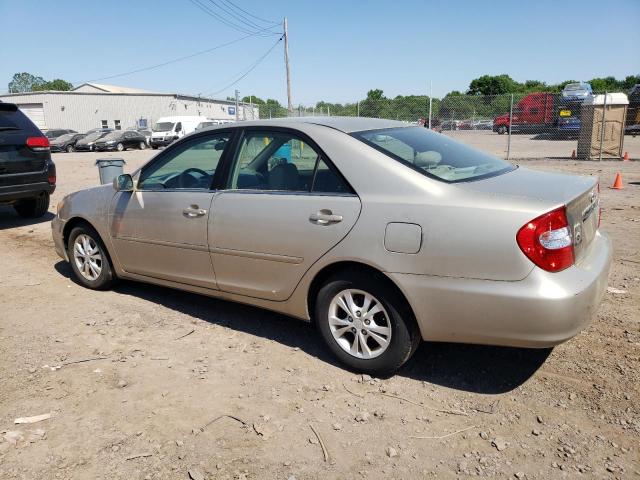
x,y
286,62
237,113
430,101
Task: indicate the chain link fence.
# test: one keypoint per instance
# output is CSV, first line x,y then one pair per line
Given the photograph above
x,y
511,126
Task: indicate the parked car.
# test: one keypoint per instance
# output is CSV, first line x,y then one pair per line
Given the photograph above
x,y
569,126
146,134
27,173
632,130
534,113
483,125
168,129
57,132
121,140
578,91
450,124
66,142
379,232
87,143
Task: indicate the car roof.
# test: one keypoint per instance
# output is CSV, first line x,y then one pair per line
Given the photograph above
x,y
343,124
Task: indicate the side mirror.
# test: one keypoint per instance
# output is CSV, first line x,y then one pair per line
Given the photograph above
x,y
123,183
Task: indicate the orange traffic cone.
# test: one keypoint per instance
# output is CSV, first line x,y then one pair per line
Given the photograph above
x,y
617,183
573,155
626,157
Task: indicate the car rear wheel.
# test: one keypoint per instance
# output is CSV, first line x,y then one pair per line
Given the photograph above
x,y
368,326
120,147
142,145
89,260
502,130
32,207
70,149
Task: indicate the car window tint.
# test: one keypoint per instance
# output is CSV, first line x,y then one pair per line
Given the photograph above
x,y
328,180
190,165
274,161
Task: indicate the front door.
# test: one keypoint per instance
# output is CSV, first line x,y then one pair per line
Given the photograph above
x,y
160,229
284,207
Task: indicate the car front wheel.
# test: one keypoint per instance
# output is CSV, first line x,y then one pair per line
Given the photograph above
x,y
502,130
89,260
120,147
70,149
367,325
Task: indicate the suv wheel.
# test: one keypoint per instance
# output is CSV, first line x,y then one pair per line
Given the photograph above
x,y
89,260
502,130
365,324
33,207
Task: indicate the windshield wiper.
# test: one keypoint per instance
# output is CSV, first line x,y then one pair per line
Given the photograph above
x,y
8,128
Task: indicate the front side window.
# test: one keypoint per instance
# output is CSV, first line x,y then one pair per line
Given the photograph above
x,y
281,161
433,154
191,165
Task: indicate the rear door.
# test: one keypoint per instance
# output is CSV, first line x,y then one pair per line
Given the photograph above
x,y
19,164
284,207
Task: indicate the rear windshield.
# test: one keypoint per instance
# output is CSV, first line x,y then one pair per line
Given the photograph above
x,y
433,154
13,119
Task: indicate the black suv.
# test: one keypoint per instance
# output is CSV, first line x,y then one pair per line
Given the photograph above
x,y
27,174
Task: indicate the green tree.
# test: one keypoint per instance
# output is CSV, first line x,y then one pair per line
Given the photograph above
x,y
493,85
57,85
24,82
375,95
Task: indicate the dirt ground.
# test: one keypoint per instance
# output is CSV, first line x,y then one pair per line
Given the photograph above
x,y
176,383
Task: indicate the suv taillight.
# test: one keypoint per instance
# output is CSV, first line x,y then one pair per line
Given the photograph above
x,y
547,242
38,144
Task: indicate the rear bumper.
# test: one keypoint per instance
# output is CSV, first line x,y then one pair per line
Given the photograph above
x,y
542,310
16,192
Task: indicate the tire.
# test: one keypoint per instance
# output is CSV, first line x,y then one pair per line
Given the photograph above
x,y
142,146
98,257
501,130
70,149
32,207
395,314
120,147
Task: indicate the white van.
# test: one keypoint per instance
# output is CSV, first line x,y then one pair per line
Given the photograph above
x,y
168,129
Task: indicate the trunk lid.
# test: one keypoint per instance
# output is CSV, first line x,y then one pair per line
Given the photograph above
x,y
546,191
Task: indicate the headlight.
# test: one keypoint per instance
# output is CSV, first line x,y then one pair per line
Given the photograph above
x,y
111,141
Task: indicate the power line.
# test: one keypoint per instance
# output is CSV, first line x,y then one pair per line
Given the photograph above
x,y
250,14
168,62
238,16
264,32
251,68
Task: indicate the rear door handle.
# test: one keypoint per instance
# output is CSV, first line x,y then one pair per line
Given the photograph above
x,y
324,217
194,211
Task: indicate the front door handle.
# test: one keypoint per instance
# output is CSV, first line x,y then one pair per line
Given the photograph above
x,y
324,217
194,211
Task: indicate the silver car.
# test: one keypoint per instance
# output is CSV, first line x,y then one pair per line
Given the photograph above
x,y
380,233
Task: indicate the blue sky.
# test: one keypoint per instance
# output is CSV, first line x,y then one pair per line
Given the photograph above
x,y
339,49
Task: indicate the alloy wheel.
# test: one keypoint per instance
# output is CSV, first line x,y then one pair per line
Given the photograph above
x,y
87,257
359,323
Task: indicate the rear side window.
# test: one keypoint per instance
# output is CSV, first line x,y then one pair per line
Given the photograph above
x,y
433,154
13,119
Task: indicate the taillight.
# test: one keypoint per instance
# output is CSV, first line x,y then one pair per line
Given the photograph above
x,y
547,241
51,179
38,144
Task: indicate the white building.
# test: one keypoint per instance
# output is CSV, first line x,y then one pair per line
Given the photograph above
x,y
93,105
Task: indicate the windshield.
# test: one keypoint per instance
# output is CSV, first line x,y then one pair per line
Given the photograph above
x,y
163,127
112,136
433,154
574,86
92,137
65,137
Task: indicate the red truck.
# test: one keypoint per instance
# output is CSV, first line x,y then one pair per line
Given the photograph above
x,y
534,113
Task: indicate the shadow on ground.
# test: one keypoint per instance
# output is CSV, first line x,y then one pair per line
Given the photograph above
x,y
472,368
10,219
